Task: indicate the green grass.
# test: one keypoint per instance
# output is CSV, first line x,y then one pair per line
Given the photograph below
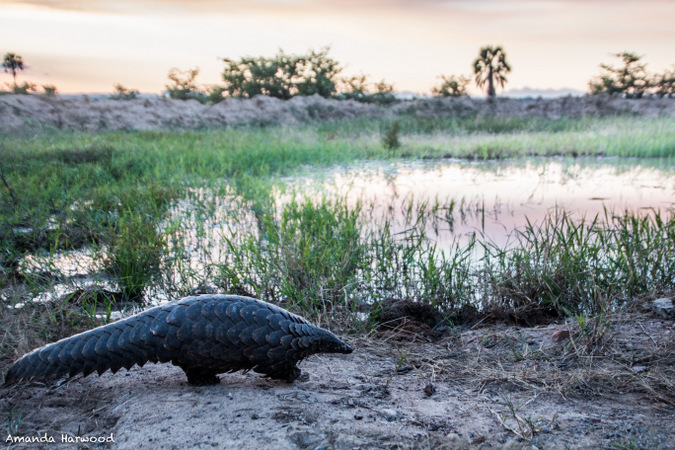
x,y
322,255
607,137
487,137
581,267
114,192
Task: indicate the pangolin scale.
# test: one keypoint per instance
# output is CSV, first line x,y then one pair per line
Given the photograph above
x,y
203,335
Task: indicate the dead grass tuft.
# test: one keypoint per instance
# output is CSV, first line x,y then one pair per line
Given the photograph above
x,y
610,357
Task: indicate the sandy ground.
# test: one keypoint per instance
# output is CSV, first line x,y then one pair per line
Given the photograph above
x,y
30,113
492,387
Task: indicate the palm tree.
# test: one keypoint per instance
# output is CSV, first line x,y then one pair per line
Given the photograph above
x,y
12,62
490,67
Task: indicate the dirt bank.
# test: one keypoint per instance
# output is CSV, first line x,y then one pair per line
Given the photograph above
x,y
21,113
492,387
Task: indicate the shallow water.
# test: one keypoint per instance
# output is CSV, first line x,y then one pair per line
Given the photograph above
x,y
489,199
492,198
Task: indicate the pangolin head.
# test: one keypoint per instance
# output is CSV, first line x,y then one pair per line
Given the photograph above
x,y
331,344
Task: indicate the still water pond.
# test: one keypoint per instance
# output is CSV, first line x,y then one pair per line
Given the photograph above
x,y
492,198
489,199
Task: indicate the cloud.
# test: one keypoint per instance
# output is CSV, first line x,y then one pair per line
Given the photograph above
x,y
342,4
431,9
148,5
290,5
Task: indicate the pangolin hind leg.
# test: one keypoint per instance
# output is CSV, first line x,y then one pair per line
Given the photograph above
x,y
290,375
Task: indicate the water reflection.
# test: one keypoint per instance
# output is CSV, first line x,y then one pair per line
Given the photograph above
x,y
487,198
493,198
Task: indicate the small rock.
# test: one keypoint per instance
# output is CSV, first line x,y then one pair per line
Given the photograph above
x,y
305,440
304,377
638,369
664,307
429,390
479,439
403,370
358,416
389,415
560,335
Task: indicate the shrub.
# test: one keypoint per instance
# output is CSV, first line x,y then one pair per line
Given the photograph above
x,y
630,80
49,89
282,76
451,86
390,139
357,88
23,89
216,94
123,93
664,84
183,86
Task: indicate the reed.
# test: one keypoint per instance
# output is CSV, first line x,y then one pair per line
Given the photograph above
x,y
568,266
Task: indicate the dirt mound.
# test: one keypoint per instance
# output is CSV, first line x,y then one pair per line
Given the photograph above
x,y
562,107
28,112
21,112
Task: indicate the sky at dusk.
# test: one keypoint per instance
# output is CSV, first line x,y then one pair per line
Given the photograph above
x,y
90,45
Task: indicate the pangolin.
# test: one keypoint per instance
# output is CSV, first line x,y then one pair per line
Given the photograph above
x,y
204,335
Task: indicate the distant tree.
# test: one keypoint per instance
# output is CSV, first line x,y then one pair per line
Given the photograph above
x,y
630,80
123,93
491,67
664,84
49,89
354,88
384,93
451,86
24,88
249,76
358,88
12,63
282,76
215,94
317,74
183,86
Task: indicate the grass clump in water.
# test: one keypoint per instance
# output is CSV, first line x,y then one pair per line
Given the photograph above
x,y
305,255
324,255
567,267
135,253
